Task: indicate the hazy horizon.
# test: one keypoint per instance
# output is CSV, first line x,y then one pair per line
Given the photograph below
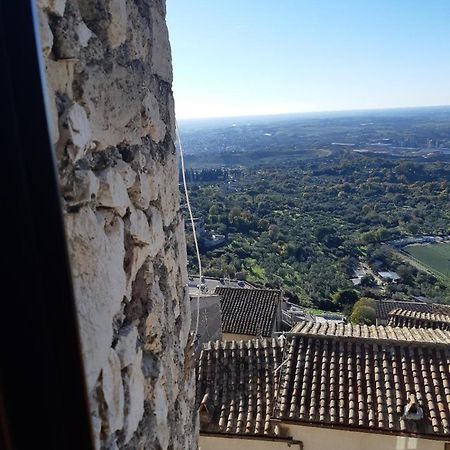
x,y
314,113
261,58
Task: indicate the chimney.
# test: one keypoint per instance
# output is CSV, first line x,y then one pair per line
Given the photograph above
x,y
412,409
204,413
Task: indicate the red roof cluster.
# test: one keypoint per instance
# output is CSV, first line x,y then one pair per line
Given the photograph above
x,y
356,377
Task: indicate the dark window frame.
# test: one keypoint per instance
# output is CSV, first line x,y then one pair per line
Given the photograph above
x,y
43,400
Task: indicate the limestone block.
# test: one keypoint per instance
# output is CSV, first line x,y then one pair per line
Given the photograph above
x,y
45,33
153,322
60,75
117,29
126,172
67,43
155,178
139,161
139,228
185,328
161,59
140,42
157,237
84,189
96,430
57,6
169,195
126,345
42,4
114,446
172,119
140,192
160,410
97,252
113,192
134,384
170,259
84,34
152,123
54,6
140,34
171,368
113,392
113,100
181,253
176,310
136,258
76,131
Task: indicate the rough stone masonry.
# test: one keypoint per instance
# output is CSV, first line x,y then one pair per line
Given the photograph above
x,y
109,75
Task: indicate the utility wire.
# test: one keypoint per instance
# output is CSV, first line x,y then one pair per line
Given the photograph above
x,y
193,228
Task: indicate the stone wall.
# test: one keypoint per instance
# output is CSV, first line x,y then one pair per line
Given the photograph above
x,y
109,74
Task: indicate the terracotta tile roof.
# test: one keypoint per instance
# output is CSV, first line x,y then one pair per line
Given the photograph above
x,y
342,378
384,307
236,386
441,309
373,332
249,311
413,319
359,378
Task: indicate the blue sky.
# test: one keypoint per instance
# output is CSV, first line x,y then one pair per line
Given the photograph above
x,y
248,57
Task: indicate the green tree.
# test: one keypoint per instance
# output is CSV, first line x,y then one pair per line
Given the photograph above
x,y
368,281
363,315
235,212
214,210
273,231
263,224
364,311
345,297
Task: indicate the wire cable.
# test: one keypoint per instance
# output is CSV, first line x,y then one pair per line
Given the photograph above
x,y
180,146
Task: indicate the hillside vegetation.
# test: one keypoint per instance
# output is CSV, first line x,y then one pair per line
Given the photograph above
x,y
304,227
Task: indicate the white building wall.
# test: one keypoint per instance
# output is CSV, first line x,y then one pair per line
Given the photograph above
x,y
221,443
316,438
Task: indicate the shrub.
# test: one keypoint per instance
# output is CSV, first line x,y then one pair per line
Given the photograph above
x,y
364,311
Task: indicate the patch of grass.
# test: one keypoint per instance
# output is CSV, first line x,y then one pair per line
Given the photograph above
x,y
436,257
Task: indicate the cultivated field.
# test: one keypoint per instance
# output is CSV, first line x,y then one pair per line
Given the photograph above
x,y
435,257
